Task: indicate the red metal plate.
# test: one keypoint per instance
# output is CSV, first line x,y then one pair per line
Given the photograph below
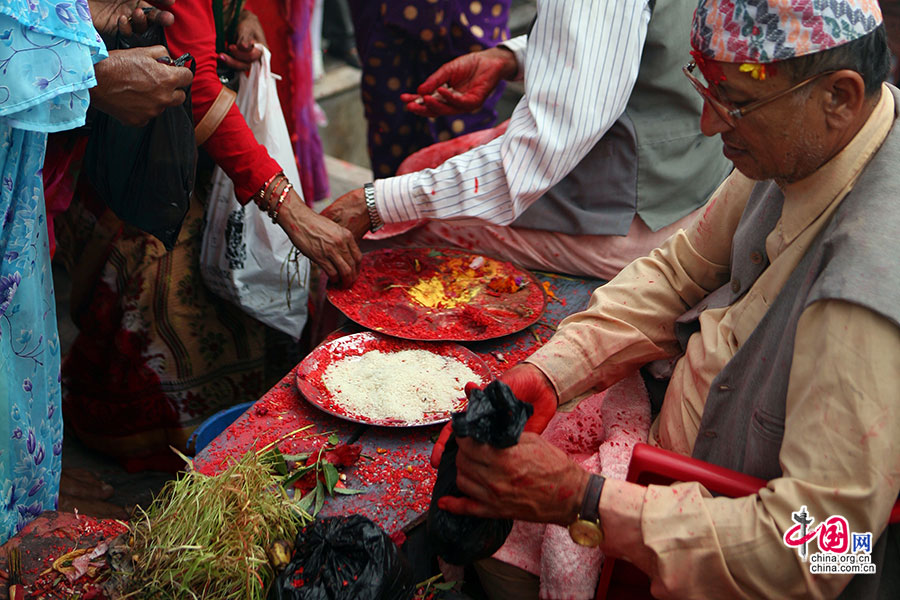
x,y
313,367
440,294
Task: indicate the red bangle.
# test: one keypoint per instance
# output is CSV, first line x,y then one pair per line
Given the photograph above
x,y
261,195
274,213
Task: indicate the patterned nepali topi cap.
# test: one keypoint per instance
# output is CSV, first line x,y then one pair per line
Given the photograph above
x,y
765,31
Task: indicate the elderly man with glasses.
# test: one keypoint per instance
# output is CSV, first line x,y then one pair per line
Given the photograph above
x,y
781,305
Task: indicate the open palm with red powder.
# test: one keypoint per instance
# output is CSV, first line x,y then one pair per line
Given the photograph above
x,y
463,84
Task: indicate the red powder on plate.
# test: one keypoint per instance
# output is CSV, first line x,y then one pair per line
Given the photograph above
x,y
440,294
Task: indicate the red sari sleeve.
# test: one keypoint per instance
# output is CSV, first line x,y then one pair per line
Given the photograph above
x,y
232,145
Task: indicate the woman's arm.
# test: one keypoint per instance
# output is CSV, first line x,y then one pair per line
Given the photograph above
x,y
246,162
232,145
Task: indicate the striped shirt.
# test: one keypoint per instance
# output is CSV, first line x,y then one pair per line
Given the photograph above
x,y
580,66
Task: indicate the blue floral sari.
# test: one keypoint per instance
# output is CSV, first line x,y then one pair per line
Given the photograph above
x,y
47,52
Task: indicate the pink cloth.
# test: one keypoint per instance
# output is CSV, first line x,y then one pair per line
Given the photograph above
x,y
600,256
307,144
599,434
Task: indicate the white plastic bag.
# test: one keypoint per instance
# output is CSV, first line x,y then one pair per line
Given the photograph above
x,y
245,258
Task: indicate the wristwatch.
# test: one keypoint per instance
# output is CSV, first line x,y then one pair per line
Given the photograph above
x,y
374,218
586,530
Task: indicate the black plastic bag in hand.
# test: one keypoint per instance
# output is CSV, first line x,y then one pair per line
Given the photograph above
x,y
494,416
146,174
344,558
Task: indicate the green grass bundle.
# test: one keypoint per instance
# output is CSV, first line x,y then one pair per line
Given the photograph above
x,y
206,537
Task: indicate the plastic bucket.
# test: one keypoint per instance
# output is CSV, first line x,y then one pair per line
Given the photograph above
x,y
213,426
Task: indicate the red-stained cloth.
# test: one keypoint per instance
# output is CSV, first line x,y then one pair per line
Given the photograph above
x,y
50,536
232,145
599,434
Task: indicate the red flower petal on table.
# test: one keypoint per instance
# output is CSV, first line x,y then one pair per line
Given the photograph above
x,y
307,482
345,455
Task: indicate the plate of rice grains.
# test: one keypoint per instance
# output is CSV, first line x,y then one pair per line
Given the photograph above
x,y
390,382
440,294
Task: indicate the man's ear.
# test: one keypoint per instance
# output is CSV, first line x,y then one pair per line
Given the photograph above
x,y
845,98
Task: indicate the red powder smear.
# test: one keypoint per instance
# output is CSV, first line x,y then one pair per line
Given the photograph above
x,y
379,298
41,546
274,419
476,185
397,484
711,70
705,227
477,318
516,351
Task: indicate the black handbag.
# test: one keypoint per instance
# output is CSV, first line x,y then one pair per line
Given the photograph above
x,y
146,174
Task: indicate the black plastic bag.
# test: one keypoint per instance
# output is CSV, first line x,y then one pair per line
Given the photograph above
x,y
496,417
344,558
146,174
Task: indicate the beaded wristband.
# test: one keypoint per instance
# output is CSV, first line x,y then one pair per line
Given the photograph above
x,y
284,193
264,190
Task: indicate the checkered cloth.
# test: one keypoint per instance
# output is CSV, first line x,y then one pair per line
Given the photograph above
x,y
765,31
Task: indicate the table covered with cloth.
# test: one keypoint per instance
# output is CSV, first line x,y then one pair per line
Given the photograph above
x,y
394,471
597,430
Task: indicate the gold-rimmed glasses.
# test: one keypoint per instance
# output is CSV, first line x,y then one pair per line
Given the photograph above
x,y
730,113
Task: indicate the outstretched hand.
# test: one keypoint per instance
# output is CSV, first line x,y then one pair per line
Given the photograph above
x,y
529,384
463,84
324,242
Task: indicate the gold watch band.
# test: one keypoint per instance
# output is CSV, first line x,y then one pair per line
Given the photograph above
x,y
586,530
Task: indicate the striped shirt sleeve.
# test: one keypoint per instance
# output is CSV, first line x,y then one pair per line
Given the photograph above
x,y
517,46
581,65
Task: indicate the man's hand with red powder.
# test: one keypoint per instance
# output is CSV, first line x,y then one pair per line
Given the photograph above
x,y
463,84
529,384
531,481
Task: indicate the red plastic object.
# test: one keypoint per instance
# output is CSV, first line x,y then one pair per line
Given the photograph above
x,y
654,466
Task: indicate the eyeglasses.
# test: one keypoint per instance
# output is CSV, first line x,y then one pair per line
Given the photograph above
x,y
730,113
